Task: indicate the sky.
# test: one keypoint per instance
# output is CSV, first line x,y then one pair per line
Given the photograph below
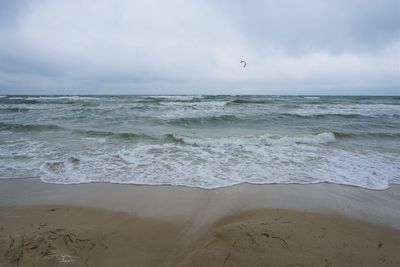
x,y
346,47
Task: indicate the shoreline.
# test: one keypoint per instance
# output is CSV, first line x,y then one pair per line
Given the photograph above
x,y
198,187
181,203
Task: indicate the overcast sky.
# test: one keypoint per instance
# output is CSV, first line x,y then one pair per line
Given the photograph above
x,y
194,47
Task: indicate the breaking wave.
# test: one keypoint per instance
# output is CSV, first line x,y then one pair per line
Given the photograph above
x,y
266,139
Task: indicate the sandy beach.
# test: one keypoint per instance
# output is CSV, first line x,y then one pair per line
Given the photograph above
x,y
100,224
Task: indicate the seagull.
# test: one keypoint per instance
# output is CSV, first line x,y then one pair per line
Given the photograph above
x,y
244,63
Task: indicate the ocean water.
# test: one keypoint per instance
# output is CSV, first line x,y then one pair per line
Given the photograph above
x,y
201,141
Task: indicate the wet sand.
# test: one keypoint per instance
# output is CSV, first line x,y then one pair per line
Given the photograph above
x,y
288,238
78,236
247,225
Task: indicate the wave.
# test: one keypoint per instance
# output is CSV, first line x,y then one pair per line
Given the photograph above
x,y
365,110
199,120
366,135
174,138
254,118
14,110
176,97
327,115
48,99
248,101
21,100
273,139
336,115
73,97
89,133
169,99
30,127
266,139
99,133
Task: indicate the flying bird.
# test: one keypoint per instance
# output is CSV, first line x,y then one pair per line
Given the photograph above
x,y
244,63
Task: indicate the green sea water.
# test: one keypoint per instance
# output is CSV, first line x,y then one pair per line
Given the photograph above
x,y
202,141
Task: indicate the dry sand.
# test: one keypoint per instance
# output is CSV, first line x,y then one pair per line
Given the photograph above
x,y
78,236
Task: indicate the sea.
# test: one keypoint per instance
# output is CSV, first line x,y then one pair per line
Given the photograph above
x,y
206,141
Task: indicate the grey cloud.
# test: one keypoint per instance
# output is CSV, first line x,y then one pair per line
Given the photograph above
x,y
176,46
304,26
9,11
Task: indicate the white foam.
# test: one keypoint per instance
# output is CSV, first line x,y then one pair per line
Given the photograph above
x,y
219,165
20,157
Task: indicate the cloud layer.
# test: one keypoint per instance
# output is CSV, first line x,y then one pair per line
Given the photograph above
x,y
158,47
